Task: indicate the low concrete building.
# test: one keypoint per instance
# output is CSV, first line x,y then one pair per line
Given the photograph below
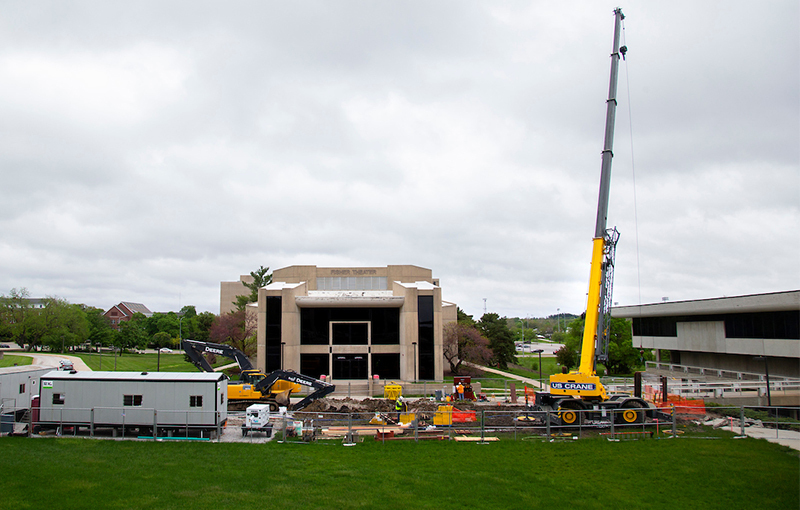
x,y
352,323
725,333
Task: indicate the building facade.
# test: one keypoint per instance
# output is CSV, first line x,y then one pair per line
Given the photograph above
x,y
726,333
124,311
353,323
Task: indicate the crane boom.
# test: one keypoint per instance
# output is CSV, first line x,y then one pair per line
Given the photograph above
x,y
584,382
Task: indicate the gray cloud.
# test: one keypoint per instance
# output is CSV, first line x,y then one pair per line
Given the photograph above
x,y
151,150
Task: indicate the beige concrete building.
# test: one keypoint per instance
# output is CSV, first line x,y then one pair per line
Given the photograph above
x,y
350,323
723,333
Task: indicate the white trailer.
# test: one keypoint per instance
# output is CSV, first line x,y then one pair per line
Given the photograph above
x,y
18,385
148,401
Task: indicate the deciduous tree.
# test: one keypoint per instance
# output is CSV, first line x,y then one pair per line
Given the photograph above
x,y
501,340
463,342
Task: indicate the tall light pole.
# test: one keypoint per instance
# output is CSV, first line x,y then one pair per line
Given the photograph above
x,y
558,319
766,374
415,360
539,352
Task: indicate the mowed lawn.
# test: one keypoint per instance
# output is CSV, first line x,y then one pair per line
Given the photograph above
x,y
140,362
9,360
665,473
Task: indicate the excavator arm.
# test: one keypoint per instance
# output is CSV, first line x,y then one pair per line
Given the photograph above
x,y
195,350
321,388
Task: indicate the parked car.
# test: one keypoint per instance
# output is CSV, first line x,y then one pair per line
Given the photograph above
x,y
5,346
65,364
165,350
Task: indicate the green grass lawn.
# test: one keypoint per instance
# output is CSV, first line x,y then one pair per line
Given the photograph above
x,y
9,360
138,362
673,473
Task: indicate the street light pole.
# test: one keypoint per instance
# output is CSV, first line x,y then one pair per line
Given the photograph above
x,y
539,351
415,360
558,319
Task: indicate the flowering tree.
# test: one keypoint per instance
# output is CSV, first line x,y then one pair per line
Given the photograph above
x,y
463,342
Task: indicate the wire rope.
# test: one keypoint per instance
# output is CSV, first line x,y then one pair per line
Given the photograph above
x,y
633,172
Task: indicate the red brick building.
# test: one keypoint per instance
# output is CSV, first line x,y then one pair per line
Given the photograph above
x,y
124,311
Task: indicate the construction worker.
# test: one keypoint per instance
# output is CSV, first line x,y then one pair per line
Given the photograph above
x,y
398,407
460,389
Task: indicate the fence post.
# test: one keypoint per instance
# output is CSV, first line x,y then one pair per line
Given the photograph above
x,y
516,415
91,423
416,428
741,420
611,414
674,422
483,423
547,414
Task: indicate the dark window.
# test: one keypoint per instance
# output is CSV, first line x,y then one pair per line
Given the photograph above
x,y
350,333
273,340
655,326
767,325
196,401
58,398
131,400
22,388
314,323
386,366
350,366
426,357
314,365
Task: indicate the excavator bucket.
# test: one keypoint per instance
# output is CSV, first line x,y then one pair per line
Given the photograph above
x,y
282,398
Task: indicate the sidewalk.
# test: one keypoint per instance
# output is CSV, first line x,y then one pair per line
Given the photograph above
x,y
788,438
526,380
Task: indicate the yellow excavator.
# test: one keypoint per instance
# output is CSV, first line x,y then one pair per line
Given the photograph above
x,y
253,386
579,395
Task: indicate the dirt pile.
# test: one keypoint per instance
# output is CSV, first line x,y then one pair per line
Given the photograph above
x,y
376,405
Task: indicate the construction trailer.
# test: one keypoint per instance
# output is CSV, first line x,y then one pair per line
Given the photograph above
x,y
17,387
152,402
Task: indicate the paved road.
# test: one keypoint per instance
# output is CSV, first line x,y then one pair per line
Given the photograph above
x,y
51,360
548,349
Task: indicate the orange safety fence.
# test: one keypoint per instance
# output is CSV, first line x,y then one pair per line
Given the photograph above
x,y
682,405
464,416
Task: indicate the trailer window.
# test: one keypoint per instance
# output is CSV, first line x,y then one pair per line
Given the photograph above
x,y
196,401
131,400
22,388
58,398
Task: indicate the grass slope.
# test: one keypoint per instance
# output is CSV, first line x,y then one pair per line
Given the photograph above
x,y
138,362
9,360
681,473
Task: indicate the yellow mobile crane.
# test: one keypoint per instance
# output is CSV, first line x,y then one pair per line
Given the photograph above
x,y
579,394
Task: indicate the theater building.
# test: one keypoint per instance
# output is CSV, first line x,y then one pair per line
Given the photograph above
x,y
353,323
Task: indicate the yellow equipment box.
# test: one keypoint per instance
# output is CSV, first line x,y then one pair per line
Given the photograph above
x,y
443,416
392,391
407,417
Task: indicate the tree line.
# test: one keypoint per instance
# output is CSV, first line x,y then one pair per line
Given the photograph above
x,y
59,326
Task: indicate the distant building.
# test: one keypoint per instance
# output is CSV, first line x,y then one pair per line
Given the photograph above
x,y
124,311
350,323
723,333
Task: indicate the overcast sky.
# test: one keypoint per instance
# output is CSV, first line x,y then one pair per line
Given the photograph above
x,y
150,150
